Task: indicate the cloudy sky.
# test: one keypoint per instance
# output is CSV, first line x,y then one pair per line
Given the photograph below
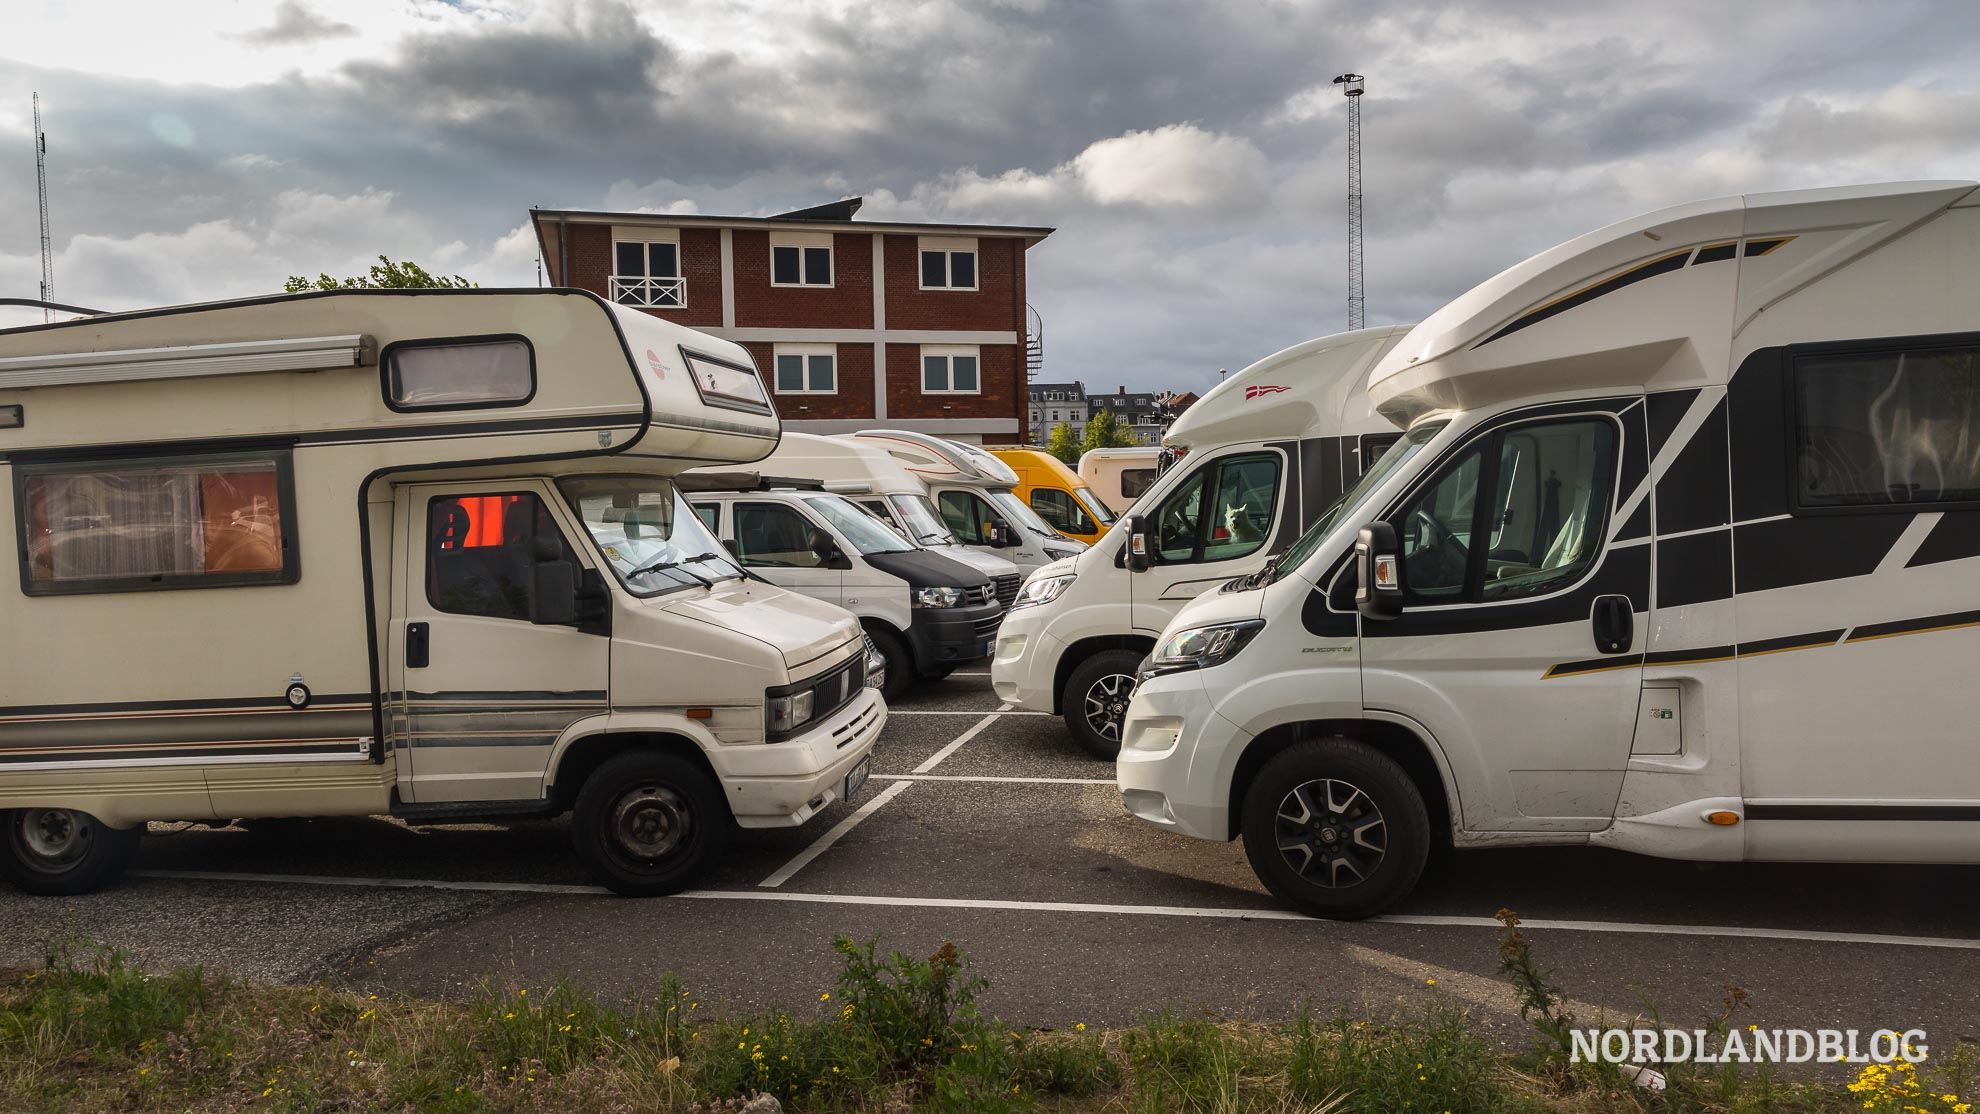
x,y
1190,153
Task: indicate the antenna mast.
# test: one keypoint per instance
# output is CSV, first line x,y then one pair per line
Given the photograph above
x,y
1351,88
41,187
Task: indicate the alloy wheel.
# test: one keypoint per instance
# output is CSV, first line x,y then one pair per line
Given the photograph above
x,y
1106,704
1331,833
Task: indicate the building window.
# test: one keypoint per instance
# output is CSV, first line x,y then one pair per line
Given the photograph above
x,y
646,271
201,522
1055,415
948,263
950,369
807,369
801,259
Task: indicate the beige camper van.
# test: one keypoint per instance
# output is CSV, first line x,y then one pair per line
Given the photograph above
x,y
417,554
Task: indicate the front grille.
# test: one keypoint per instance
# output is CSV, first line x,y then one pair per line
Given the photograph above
x,y
975,596
831,691
987,628
1007,587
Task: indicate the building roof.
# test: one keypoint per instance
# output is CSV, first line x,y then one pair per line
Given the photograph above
x,y
833,217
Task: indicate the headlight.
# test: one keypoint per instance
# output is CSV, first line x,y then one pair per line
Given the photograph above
x,y
1202,647
1045,589
938,597
1060,554
784,714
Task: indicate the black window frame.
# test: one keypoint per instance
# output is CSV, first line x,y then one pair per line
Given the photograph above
x,y
544,503
285,490
1794,357
729,402
1278,460
390,350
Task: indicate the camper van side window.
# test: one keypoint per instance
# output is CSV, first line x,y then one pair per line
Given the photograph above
x,y
459,373
480,552
1896,429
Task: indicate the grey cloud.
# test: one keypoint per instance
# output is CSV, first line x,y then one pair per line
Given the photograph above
x,y
297,24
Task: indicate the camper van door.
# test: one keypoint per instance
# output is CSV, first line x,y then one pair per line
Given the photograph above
x,y
1215,524
484,681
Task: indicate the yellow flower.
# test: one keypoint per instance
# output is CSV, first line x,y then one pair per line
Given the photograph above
x,y
1429,982
1079,1027
824,997
365,1016
522,993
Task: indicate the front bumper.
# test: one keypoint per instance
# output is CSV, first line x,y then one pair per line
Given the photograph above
x,y
806,773
941,636
1024,672
1178,756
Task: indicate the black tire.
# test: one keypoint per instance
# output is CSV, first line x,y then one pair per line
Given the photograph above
x,y
1353,827
57,852
1094,702
900,662
649,823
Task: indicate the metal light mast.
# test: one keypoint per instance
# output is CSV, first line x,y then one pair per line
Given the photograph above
x,y
41,187
1351,88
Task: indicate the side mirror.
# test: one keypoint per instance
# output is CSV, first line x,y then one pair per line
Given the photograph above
x,y
553,593
1378,593
1138,546
821,543
996,534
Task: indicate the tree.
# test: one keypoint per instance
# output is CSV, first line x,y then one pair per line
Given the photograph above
x,y
384,275
1064,445
1105,431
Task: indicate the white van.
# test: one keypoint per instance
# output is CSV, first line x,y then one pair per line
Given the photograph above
x,y
870,476
927,614
361,552
1258,458
1120,476
973,492
1678,556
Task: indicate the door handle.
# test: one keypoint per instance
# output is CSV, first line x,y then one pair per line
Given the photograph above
x,y
417,642
1614,618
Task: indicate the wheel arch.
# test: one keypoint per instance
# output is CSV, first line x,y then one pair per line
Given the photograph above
x,y
1076,653
1415,754
583,756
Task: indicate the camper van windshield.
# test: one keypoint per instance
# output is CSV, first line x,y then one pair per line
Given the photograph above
x,y
867,534
1398,454
653,542
918,515
1102,513
1025,516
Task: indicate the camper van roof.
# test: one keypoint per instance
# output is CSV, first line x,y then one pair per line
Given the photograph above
x,y
842,464
938,458
1644,302
600,379
1286,394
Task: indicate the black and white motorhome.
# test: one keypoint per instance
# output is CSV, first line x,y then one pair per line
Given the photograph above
x,y
1680,554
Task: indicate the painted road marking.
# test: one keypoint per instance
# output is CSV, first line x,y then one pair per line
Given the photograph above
x,y
1422,920
819,845
891,712
998,780
935,759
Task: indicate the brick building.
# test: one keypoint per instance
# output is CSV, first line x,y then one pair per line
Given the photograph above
x,y
855,323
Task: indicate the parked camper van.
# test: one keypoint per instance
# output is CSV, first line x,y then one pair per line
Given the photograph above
x,y
1260,456
1118,477
415,553
870,476
973,492
1678,556
926,613
1057,495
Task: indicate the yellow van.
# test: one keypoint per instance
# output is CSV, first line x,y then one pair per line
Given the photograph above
x,y
1057,494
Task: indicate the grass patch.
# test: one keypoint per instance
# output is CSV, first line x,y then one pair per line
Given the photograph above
x,y
88,1029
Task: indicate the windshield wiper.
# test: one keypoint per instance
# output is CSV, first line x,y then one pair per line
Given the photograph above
x,y
676,566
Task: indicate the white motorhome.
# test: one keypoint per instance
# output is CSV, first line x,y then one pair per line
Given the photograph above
x,y
869,475
973,493
1680,555
1258,459
1120,476
362,553
926,614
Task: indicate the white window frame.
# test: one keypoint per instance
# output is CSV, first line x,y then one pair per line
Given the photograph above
x,y
949,352
807,351
801,241
667,294
949,246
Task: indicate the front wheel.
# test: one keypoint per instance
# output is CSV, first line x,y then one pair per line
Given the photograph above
x,y
1096,699
649,823
900,663
59,851
1336,828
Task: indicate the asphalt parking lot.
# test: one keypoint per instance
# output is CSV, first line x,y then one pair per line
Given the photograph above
x,y
989,828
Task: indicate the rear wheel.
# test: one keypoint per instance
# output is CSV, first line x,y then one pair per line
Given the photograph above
x,y
1096,699
649,822
1336,828
900,663
59,851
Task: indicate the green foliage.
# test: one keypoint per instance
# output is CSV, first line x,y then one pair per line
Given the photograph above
x,y
384,275
1104,430
1064,445
1429,1063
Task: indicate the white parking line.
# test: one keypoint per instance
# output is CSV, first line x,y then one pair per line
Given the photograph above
x,y
1423,920
935,759
820,844
957,712
960,673
999,780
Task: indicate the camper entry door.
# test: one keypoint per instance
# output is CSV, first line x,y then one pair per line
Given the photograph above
x,y
481,692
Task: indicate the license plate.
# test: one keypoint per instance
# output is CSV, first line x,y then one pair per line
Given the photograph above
x,y
857,777
990,648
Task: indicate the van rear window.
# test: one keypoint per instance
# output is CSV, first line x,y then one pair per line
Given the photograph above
x,y
156,524
1897,428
